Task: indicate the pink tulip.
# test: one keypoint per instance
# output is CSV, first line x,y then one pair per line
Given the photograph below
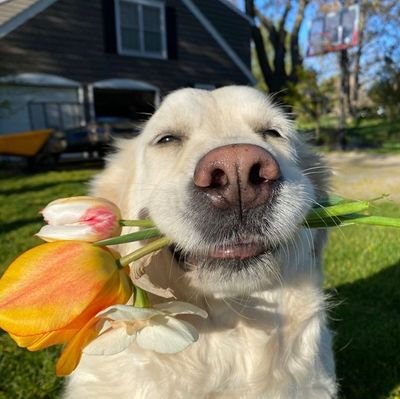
x,y
80,218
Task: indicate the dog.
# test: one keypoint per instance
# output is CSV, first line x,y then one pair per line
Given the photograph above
x,y
224,175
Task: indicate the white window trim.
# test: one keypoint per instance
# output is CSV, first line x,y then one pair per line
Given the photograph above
x,y
163,28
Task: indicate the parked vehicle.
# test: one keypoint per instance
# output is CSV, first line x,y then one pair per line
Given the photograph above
x,y
98,136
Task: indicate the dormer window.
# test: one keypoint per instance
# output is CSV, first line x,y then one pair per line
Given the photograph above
x,y
140,26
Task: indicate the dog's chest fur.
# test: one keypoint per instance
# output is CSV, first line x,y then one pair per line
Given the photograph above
x,y
265,346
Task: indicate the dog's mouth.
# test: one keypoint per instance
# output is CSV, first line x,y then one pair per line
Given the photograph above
x,y
239,250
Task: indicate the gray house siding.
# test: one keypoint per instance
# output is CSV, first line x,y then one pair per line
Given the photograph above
x,y
235,29
68,39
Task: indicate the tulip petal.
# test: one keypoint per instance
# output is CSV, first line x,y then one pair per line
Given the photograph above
x,y
80,218
167,335
70,210
78,232
146,284
117,290
72,352
112,342
40,341
37,289
127,312
174,308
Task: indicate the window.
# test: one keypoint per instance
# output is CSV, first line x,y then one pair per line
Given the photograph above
x,y
55,115
140,28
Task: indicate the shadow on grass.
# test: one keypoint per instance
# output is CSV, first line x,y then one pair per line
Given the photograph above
x,y
367,323
16,224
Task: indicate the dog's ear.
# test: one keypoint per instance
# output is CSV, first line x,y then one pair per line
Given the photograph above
x,y
118,174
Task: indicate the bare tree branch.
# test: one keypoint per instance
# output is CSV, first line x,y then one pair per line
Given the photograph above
x,y
273,67
295,55
266,23
281,26
259,44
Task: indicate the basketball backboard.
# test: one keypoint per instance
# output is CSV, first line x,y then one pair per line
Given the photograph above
x,y
333,31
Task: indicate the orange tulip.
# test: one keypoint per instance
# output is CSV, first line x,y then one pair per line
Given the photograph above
x,y
52,293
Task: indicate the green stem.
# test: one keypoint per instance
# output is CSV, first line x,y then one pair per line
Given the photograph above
x,y
147,249
136,236
137,223
375,221
340,209
141,298
323,223
348,220
383,196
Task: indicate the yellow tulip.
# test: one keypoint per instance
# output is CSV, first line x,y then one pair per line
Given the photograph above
x,y
52,293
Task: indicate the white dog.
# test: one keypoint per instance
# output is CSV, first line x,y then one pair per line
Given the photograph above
x,y
224,175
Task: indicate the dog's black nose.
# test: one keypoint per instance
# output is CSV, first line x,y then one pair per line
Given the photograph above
x,y
237,175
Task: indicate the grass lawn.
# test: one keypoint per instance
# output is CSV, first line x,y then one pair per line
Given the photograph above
x,y
362,276
372,135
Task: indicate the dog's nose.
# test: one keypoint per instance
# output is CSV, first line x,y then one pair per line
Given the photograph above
x,y
237,175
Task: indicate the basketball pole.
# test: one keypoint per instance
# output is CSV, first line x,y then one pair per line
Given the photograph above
x,y
343,90
343,61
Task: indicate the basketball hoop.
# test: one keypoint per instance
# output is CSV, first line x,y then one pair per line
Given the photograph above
x,y
335,30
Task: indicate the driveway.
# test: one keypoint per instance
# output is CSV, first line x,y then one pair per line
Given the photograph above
x,y
365,176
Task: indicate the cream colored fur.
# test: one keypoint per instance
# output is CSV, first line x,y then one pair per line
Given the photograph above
x,y
266,334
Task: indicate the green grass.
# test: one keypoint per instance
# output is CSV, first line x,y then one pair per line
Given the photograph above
x,y
373,135
362,275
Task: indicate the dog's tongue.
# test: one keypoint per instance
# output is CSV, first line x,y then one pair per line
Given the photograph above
x,y
237,251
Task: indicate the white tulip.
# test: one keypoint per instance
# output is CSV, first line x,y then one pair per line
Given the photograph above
x,y
80,218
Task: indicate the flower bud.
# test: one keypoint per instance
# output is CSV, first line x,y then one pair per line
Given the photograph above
x,y
80,218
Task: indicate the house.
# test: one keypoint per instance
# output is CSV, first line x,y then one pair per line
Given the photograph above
x,y
64,63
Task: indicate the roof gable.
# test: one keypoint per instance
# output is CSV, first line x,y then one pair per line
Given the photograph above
x,y
236,10
14,13
209,27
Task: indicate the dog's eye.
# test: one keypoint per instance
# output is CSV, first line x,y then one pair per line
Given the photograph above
x,y
265,133
169,138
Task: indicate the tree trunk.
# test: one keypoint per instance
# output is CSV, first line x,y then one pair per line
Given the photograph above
x,y
345,75
295,56
344,96
274,70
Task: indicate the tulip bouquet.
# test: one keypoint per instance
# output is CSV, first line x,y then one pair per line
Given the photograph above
x,y
77,291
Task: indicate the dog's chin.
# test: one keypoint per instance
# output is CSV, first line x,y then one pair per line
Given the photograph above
x,y
231,269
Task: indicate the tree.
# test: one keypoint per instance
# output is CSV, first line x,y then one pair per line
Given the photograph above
x,y
310,98
379,28
276,71
386,90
